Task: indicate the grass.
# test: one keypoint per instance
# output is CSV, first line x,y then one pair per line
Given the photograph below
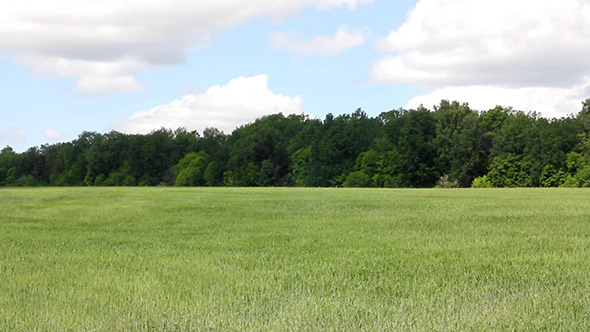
x,y
168,259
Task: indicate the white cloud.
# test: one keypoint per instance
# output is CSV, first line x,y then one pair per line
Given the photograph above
x,y
241,101
506,49
104,44
551,102
352,4
53,135
505,42
324,45
11,135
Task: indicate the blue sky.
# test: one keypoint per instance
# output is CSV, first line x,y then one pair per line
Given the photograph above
x,y
101,66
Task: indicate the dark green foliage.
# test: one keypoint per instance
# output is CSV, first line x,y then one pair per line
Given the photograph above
x,y
357,179
190,171
457,142
9,163
338,144
406,151
259,152
510,170
578,164
451,146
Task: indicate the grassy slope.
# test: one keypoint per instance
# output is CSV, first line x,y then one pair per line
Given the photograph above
x,y
227,258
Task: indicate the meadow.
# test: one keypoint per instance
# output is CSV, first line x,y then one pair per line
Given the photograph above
x,y
170,259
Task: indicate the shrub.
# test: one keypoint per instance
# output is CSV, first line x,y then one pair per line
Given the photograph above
x,y
357,179
481,182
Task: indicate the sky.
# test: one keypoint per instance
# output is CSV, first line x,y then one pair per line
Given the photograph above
x,y
68,66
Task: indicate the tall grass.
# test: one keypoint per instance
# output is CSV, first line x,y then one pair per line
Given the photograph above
x,y
173,259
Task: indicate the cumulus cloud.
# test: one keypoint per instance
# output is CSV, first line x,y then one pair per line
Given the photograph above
x,y
11,135
241,101
53,135
104,44
324,45
502,48
551,102
352,4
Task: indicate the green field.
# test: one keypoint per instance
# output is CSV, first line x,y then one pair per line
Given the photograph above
x,y
168,259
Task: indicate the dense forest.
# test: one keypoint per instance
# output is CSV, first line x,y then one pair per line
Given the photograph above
x,y
450,146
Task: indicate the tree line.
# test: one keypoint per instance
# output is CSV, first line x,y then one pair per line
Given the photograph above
x,y
449,146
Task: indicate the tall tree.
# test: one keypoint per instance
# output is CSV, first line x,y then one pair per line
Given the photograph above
x,y
457,135
338,143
